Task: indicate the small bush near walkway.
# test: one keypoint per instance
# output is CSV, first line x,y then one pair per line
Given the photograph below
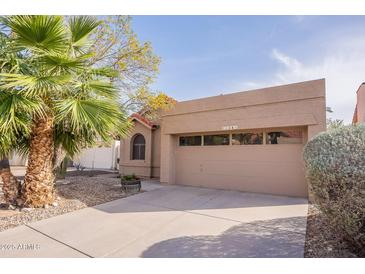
x,y
335,168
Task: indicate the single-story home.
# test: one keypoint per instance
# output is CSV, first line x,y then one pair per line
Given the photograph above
x,y
248,141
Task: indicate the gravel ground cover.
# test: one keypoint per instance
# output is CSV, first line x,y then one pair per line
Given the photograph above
x,y
91,173
75,192
321,242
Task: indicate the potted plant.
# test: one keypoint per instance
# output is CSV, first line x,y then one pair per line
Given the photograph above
x,y
130,183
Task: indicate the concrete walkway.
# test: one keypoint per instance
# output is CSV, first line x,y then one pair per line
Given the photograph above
x,y
169,221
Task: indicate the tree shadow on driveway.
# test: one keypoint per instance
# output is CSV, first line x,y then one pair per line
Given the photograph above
x,y
276,238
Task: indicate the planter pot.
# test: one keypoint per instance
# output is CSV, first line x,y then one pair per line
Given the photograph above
x,y
132,186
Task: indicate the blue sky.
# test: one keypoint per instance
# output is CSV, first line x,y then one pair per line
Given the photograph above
x,y
210,55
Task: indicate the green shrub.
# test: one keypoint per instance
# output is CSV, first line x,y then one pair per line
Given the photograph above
x,y
335,168
129,177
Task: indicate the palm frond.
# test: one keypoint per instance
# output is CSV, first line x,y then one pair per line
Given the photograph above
x,y
39,33
98,88
104,72
7,143
11,61
22,144
80,29
68,141
101,116
57,63
31,85
16,112
71,142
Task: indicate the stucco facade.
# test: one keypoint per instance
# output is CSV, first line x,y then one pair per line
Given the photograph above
x,y
249,141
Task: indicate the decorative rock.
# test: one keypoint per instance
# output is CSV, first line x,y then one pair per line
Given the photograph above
x,y
63,182
27,209
46,206
54,204
11,207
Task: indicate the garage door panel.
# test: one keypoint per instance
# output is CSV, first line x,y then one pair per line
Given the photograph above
x,y
268,169
254,153
242,168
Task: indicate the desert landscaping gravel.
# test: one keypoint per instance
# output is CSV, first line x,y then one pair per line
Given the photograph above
x,y
321,242
77,191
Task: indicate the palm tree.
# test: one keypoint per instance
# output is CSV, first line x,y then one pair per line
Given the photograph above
x,y
10,61
64,102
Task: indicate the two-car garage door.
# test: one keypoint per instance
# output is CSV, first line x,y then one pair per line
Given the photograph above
x,y
274,169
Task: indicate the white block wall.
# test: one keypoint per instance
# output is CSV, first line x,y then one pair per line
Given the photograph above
x,y
99,157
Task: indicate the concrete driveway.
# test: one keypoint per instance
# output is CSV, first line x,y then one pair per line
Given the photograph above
x,y
169,221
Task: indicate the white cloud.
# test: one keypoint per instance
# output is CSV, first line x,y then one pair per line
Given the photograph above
x,y
289,63
343,66
286,60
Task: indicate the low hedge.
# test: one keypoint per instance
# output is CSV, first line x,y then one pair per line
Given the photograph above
x,y
335,168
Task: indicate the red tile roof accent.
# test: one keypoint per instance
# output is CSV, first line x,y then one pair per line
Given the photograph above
x,y
141,118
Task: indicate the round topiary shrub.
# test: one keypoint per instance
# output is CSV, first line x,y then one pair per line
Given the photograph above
x,y
335,168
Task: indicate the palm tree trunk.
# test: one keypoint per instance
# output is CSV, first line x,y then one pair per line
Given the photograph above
x,y
11,186
58,159
39,179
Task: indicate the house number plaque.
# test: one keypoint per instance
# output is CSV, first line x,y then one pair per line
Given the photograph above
x,y
230,127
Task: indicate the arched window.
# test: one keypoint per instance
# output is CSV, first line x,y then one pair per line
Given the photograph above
x,y
138,147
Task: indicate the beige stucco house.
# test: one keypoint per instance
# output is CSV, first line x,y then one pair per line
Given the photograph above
x,y
249,141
